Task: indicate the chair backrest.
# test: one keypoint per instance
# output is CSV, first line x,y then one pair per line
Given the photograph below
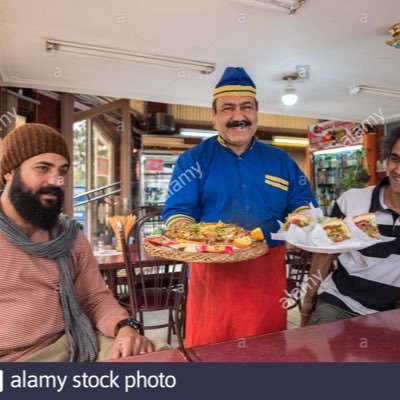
x,y
141,211
153,283
151,223
298,264
145,226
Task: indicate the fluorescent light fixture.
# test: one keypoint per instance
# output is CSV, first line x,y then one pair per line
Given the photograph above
x,y
291,5
290,141
339,149
374,90
198,133
392,117
57,46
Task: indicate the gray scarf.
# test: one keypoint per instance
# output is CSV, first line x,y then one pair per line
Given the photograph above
x,y
78,328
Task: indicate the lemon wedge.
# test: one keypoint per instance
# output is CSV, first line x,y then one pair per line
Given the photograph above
x,y
242,242
257,234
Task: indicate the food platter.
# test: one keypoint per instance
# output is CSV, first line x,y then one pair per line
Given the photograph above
x,y
207,242
316,239
256,250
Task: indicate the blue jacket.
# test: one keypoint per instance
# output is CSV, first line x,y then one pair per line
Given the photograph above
x,y
211,183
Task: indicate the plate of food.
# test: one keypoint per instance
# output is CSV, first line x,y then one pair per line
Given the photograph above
x,y
331,235
210,242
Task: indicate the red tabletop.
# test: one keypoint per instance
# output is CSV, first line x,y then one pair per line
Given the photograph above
x,y
373,338
172,355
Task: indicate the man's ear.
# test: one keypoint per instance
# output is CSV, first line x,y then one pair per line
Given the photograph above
x,y
8,176
213,116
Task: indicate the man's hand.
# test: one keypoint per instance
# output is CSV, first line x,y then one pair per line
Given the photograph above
x,y
182,222
306,310
129,343
319,270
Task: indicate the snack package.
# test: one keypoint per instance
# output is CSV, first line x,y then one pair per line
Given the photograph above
x,y
160,240
186,247
215,249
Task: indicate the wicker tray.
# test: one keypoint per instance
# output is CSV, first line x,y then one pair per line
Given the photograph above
x,y
256,250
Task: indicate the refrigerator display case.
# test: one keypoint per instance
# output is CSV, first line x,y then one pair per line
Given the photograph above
x,y
154,170
342,156
155,174
334,172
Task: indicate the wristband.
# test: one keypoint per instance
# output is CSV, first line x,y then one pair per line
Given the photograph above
x,y
305,314
133,323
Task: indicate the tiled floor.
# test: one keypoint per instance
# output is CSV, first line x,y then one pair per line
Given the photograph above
x,y
161,317
158,317
293,320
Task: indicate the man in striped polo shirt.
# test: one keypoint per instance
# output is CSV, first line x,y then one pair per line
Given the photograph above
x,y
243,181
368,280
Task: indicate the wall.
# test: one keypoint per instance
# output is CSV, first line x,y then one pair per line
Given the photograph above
x,y
48,112
203,114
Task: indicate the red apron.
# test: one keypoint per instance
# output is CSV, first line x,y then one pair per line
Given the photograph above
x,y
236,300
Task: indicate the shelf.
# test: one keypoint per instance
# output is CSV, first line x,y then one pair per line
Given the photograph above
x,y
155,173
347,166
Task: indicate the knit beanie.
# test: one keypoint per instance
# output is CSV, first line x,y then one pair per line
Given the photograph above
x,y
27,141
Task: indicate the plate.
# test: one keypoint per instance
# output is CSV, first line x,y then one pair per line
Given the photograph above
x,y
313,238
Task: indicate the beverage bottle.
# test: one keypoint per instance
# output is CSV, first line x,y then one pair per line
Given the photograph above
x,y
100,246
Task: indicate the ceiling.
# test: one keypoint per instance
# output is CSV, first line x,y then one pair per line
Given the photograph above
x,y
341,41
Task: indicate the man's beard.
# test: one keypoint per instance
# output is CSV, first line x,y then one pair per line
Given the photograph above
x,y
29,206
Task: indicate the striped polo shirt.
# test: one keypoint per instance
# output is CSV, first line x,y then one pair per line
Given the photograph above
x,y
368,280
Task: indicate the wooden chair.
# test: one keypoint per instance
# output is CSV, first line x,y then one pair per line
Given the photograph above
x,y
298,264
154,284
139,212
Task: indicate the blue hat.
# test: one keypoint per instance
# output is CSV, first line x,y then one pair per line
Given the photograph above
x,y
235,82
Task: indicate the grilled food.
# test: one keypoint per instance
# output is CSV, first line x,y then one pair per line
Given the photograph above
x,y
336,230
206,233
298,219
367,223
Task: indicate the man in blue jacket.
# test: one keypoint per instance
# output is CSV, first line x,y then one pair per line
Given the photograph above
x,y
235,178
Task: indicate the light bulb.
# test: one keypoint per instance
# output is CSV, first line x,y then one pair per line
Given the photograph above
x,y
289,97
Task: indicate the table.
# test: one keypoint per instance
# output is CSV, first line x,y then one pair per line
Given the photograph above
x,y
171,355
116,261
372,338
110,264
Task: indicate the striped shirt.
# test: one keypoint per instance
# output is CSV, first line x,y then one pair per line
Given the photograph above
x,y
368,280
30,313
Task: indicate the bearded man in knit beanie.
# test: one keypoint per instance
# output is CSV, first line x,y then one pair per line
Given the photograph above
x,y
54,304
